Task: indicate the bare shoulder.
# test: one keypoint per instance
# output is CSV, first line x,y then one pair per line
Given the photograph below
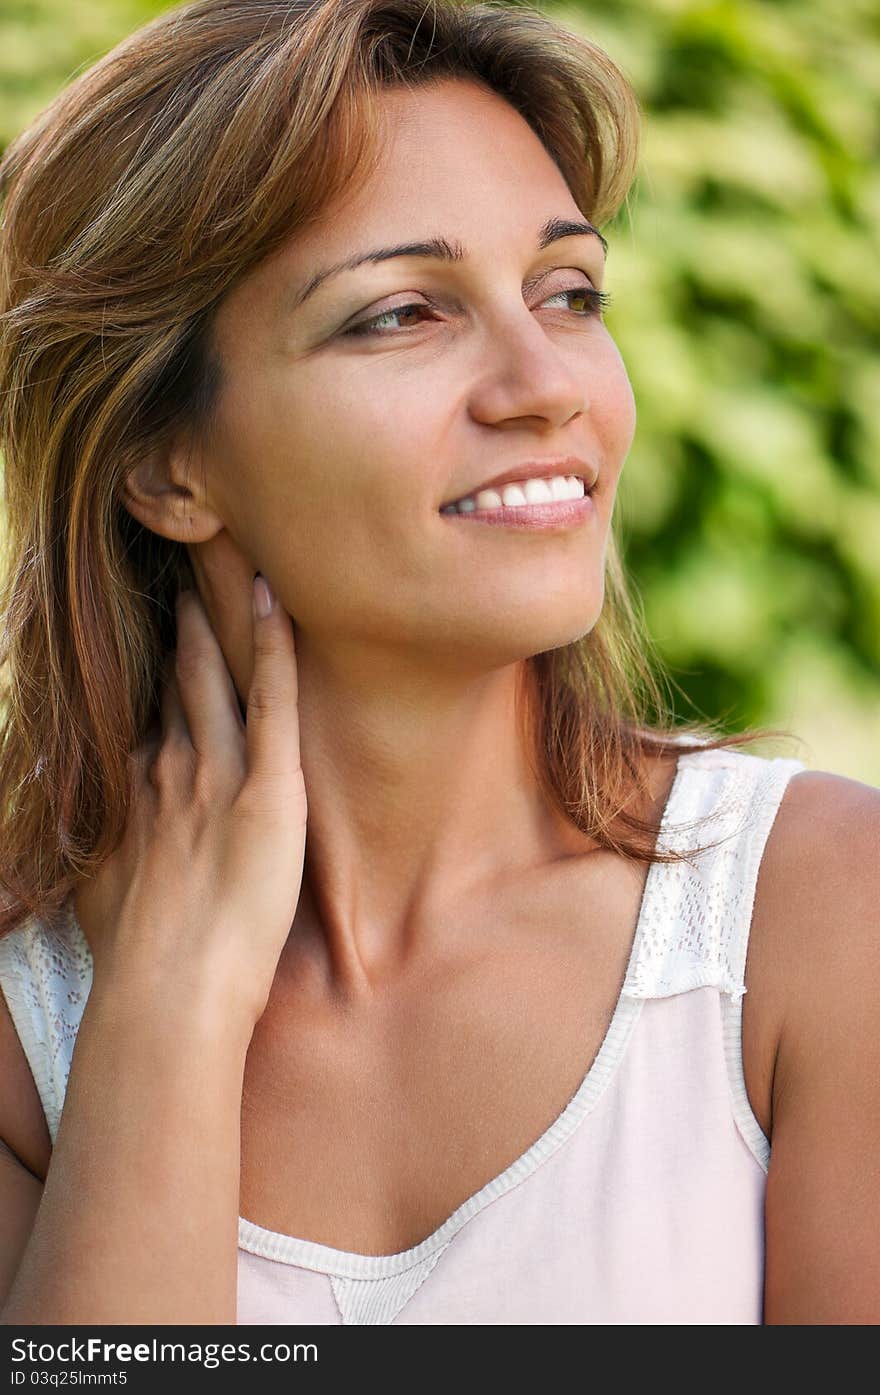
x,y
829,813
818,886
815,970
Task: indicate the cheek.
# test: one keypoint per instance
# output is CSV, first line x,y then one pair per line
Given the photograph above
x,y
613,409
371,452
337,430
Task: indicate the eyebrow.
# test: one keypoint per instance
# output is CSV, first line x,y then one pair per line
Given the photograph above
x,y
441,249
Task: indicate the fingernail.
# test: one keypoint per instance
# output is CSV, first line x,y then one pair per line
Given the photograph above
x,y
263,597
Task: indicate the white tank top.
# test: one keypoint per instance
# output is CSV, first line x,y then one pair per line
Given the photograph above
x,y
642,1203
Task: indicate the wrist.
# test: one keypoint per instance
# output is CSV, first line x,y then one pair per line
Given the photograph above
x,y
187,1001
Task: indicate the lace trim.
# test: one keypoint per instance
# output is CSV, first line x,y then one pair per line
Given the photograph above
x,y
46,977
697,930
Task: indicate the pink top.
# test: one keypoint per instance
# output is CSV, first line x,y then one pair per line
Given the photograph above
x,y
642,1203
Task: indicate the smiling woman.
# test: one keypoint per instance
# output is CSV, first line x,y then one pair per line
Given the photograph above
x,y
379,883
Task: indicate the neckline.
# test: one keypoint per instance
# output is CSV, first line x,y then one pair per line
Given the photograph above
x,y
310,1254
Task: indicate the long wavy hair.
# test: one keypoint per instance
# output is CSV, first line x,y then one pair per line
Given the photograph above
x,y
132,204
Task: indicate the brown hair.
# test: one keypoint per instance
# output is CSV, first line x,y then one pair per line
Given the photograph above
x,y
134,202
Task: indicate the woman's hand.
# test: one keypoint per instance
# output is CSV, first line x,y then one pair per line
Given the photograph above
x,y
200,896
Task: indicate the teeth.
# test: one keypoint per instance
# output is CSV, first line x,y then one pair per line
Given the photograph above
x,y
519,492
488,499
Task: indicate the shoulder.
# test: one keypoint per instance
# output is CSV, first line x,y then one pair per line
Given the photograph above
x,y
815,922
818,942
829,811
820,883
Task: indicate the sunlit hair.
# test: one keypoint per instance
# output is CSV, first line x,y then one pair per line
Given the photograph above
x,y
133,203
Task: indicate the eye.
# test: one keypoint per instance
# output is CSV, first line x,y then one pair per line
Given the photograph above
x,y
596,302
374,323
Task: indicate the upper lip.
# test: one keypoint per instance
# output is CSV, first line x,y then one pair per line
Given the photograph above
x,y
535,470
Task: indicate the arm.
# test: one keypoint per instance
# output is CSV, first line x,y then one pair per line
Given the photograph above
x,y
20,1193
138,1221
823,1187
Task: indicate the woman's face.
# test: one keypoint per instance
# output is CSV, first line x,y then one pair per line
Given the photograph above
x,y
339,440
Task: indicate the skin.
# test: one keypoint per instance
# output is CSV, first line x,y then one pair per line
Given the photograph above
x,y
434,948
332,456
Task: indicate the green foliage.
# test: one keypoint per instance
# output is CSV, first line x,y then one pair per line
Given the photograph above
x,y
745,278
45,43
746,300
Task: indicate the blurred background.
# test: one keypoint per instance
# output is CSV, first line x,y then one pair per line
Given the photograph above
x,y
745,277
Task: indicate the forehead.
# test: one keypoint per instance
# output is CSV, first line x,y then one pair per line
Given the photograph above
x,y
445,148
453,160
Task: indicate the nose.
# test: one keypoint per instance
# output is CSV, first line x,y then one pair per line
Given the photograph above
x,y
523,372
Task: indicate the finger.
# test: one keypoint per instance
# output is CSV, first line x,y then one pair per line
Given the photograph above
x,y
171,745
142,780
140,762
273,699
205,686
174,724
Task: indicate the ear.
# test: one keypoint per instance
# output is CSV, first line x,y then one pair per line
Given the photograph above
x,y
166,493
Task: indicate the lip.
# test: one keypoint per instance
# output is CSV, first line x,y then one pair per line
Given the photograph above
x,y
534,470
552,517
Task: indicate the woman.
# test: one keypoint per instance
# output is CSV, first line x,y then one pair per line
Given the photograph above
x,y
281,284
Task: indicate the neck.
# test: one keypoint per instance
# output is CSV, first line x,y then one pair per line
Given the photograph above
x,y
421,798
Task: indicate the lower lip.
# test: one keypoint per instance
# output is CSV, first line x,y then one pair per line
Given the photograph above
x,y
548,518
